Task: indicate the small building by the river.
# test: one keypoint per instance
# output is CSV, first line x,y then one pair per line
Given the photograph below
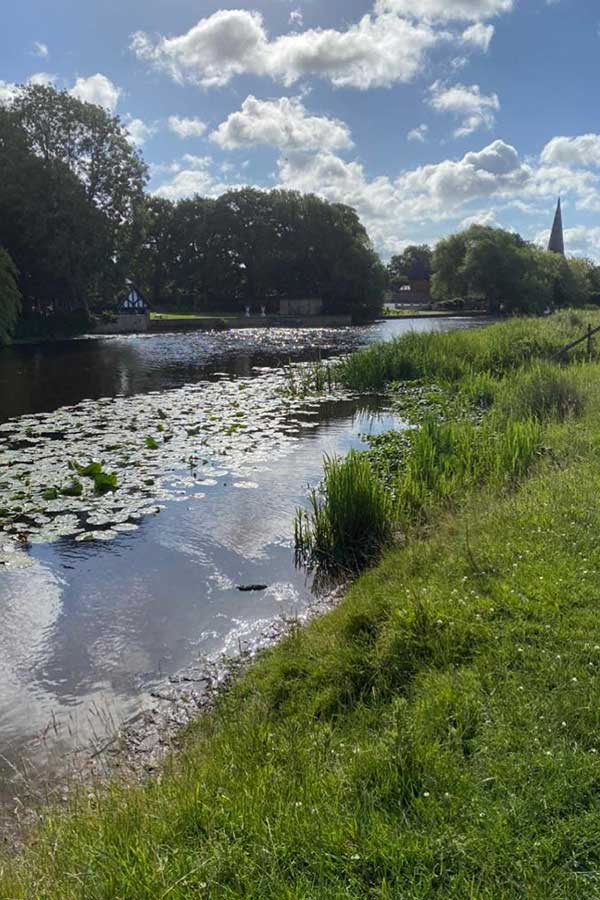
x,y
130,316
307,306
133,311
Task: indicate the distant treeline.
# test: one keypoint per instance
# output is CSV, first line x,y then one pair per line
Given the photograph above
x,y
498,271
250,247
76,224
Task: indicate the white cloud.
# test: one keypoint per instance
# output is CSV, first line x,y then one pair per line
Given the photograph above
x,y
394,210
97,89
494,170
590,202
282,123
446,10
139,132
378,51
297,17
8,92
40,49
193,176
483,217
552,181
186,127
573,151
418,134
45,79
197,162
479,35
476,110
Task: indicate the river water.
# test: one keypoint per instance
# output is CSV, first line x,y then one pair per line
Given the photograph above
x,y
106,596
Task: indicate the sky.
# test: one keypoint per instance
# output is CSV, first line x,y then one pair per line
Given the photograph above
x,y
424,115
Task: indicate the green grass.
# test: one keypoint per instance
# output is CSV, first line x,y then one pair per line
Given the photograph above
x,y
405,478
355,514
454,356
312,378
349,521
435,736
176,317
425,313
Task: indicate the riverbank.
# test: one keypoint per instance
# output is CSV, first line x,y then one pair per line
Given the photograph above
x,y
391,313
435,735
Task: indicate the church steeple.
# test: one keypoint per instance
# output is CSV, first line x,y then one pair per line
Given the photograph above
x,y
557,241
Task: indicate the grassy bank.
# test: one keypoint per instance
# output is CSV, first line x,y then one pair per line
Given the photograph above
x,y
437,735
390,313
456,355
192,317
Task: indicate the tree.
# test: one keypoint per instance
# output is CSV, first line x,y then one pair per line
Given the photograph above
x,y
254,247
448,281
10,297
153,267
496,267
68,135
47,224
585,277
414,263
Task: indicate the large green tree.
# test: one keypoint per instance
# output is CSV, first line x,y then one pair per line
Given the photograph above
x,y
94,180
47,224
251,246
415,262
500,269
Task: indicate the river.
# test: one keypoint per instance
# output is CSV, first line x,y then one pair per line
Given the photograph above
x,y
212,461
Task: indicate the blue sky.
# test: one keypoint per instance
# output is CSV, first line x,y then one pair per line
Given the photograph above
x,y
425,115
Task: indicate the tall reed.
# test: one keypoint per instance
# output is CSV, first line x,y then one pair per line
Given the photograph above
x,y
452,356
355,514
350,520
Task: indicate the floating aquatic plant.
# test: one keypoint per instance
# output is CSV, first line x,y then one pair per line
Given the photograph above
x,y
83,470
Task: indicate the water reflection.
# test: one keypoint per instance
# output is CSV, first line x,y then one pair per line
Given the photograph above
x,y
43,377
114,619
92,627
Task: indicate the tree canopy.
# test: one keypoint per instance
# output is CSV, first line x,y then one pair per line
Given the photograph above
x,y
415,263
70,196
501,270
251,246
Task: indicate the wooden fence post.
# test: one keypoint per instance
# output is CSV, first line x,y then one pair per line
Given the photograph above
x,y
589,343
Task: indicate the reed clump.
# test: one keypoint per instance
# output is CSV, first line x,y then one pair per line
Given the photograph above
x,y
353,516
350,518
543,392
496,389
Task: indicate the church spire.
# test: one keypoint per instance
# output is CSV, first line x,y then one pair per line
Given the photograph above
x,y
557,242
